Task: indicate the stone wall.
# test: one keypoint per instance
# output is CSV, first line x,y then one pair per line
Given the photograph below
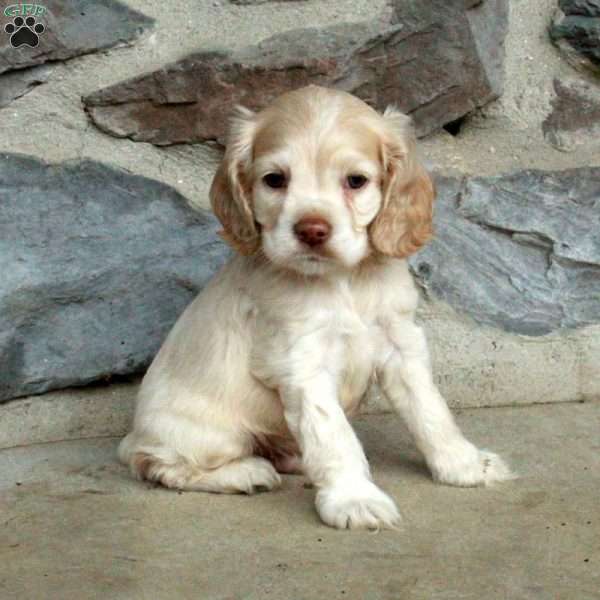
x,y
110,130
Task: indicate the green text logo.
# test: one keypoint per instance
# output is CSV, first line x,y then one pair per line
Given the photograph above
x,y
22,10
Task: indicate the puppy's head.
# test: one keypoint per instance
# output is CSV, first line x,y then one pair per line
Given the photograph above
x,y
318,181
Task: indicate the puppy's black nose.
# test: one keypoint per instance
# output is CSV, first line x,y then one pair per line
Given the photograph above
x,y
312,231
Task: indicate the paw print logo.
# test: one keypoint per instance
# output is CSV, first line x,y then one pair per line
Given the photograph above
x,y
24,32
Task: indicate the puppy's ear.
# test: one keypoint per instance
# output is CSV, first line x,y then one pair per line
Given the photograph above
x,y
230,192
404,221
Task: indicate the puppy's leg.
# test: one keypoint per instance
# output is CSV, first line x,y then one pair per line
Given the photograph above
x,y
281,450
223,463
407,382
289,465
333,457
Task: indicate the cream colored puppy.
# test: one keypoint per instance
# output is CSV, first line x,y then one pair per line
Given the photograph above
x,y
323,198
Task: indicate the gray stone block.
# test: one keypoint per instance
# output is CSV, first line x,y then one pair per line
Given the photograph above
x,y
575,30
520,252
489,25
96,264
575,118
15,84
588,8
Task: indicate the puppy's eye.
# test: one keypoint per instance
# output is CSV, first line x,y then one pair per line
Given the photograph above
x,y
355,182
275,180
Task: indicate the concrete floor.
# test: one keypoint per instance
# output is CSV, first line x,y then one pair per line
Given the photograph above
x,y
74,525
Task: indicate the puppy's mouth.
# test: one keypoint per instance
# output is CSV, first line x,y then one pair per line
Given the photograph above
x,y
312,262
322,253
313,257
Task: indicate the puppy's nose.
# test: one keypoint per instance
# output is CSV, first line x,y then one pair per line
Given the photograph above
x,y
312,231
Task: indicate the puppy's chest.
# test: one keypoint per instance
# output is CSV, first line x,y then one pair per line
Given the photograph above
x,y
333,332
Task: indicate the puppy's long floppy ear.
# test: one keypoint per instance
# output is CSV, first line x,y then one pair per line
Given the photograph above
x,y
404,222
230,192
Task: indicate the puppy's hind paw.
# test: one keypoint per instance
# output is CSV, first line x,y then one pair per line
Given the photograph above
x,y
360,506
250,475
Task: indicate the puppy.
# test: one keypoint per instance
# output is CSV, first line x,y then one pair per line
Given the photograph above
x,y
323,199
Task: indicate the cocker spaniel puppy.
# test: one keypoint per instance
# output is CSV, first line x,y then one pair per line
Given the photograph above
x,y
323,199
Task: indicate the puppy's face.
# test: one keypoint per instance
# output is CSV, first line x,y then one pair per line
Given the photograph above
x,y
319,181
316,186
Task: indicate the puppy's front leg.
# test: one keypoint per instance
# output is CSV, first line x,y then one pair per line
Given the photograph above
x,y
407,382
333,457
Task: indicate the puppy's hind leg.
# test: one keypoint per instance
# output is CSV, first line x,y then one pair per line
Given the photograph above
x,y
281,451
225,473
245,475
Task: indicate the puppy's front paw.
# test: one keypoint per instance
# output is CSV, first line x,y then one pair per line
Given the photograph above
x,y
356,505
467,466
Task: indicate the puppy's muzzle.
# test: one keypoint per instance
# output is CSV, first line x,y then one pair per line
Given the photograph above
x,y
312,231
